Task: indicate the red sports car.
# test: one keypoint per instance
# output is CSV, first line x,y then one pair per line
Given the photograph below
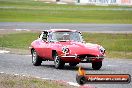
x,y
65,46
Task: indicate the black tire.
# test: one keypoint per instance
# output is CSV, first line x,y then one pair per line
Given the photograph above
x,y
59,64
36,60
73,64
96,65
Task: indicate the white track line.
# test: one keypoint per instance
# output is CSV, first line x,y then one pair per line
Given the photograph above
x,y
4,51
112,65
16,74
61,3
1,72
21,30
73,84
47,2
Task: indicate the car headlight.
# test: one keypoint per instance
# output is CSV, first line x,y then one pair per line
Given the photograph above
x,y
65,50
102,50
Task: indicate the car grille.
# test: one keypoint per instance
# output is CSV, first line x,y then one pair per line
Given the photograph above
x,y
88,56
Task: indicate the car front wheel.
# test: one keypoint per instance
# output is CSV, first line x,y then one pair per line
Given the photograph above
x,y
96,65
36,60
59,64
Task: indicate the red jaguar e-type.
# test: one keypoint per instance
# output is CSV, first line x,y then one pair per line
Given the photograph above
x,y
65,46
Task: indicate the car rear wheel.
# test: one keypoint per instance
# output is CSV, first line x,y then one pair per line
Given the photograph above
x,y
73,64
59,64
36,60
96,65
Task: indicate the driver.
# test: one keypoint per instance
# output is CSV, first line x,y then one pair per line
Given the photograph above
x,y
66,37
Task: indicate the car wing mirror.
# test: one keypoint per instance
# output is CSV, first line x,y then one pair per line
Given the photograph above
x,y
84,42
45,40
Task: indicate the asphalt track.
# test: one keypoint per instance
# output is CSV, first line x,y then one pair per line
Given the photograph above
x,y
21,64
107,28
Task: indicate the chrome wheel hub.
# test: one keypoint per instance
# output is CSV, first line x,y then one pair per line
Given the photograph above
x,y
34,56
56,60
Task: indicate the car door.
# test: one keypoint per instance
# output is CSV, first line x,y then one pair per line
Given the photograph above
x,y
42,47
46,50
42,44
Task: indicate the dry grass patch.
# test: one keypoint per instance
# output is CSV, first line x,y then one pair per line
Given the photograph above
x,y
17,81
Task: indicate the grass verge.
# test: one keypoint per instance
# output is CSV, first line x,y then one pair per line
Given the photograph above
x,y
117,45
13,81
32,11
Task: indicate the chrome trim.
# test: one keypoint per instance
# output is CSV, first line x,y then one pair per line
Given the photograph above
x,y
100,57
95,57
69,56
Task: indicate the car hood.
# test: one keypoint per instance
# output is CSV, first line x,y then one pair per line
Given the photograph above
x,y
81,48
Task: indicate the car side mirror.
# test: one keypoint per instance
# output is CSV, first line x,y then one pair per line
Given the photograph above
x,y
84,42
44,39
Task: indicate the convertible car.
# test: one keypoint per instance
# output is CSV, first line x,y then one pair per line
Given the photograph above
x,y
65,46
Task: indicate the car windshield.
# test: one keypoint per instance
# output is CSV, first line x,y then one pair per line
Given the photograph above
x,y
65,36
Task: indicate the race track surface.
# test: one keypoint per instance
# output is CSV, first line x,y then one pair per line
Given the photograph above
x,y
75,26
21,64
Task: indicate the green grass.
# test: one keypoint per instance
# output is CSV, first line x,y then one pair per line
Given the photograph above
x,y
17,40
31,11
12,81
116,45
113,42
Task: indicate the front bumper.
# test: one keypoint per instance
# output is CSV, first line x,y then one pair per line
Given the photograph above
x,y
71,56
78,58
